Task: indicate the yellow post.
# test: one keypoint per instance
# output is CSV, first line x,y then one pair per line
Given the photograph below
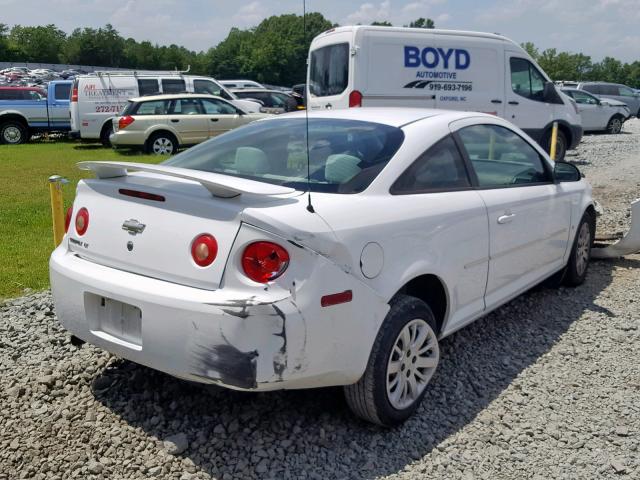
x,y
554,140
57,207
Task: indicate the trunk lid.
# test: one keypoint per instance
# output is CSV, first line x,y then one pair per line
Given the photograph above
x,y
153,237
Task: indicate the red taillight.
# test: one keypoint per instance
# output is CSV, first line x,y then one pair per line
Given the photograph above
x,y
264,261
125,121
204,249
74,94
355,99
67,219
82,221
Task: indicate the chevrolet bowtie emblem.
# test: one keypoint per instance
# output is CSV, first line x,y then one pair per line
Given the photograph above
x,y
133,226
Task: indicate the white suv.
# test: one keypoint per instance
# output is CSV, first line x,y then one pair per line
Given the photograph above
x,y
161,124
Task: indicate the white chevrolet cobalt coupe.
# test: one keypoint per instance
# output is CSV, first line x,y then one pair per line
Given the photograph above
x,y
291,254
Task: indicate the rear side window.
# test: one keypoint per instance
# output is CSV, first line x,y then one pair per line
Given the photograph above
x,y
148,86
439,168
173,85
206,86
329,70
591,88
155,107
609,90
501,158
526,80
62,91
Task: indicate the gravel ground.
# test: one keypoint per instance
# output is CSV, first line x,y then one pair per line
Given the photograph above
x,y
547,386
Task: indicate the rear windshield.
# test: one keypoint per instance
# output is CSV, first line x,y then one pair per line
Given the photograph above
x,y
344,155
329,70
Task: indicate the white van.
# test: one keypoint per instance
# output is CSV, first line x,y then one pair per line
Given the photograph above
x,y
96,98
363,66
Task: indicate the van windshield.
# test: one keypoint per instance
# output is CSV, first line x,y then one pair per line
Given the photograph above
x,y
329,70
345,156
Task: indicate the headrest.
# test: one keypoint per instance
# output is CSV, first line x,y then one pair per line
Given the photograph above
x,y
341,168
251,160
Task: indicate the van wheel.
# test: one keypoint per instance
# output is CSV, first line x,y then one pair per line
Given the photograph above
x,y
13,132
578,264
403,359
561,144
107,130
615,125
162,143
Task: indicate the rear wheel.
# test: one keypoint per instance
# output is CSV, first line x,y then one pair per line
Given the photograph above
x,y
578,264
13,132
162,143
615,125
403,360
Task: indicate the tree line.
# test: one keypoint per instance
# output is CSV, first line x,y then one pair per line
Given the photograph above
x,y
273,52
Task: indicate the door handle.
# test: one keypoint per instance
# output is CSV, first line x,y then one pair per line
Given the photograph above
x,y
214,119
513,102
175,120
495,100
506,218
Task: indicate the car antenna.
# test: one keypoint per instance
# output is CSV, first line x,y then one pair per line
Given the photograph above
x,y
306,109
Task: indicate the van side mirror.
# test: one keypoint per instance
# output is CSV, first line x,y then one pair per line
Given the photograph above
x,y
566,172
550,94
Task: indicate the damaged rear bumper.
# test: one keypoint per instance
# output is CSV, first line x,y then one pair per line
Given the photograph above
x,y
247,342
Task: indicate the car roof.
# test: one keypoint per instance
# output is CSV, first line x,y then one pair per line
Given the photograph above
x,y
392,116
173,96
256,90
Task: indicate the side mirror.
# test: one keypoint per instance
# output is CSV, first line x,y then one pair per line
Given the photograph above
x,y
550,94
605,103
566,172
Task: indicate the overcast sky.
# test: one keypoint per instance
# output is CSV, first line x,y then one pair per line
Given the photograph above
x,y
594,27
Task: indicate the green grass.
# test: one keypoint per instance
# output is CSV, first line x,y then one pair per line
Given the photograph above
x,y
26,238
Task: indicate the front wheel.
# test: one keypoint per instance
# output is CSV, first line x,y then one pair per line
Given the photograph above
x,y
576,270
13,132
404,357
615,125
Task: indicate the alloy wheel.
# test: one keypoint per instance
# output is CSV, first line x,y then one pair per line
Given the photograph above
x,y
412,363
162,146
583,250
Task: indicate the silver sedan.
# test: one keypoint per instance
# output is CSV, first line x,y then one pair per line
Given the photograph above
x,y
599,114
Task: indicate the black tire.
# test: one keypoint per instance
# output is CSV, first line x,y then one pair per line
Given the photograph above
x,y
615,125
368,398
578,265
167,139
107,130
561,144
13,132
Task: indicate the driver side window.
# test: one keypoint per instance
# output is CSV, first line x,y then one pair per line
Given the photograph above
x,y
526,80
501,158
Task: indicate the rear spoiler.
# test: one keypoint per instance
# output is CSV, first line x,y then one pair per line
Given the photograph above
x,y
219,185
